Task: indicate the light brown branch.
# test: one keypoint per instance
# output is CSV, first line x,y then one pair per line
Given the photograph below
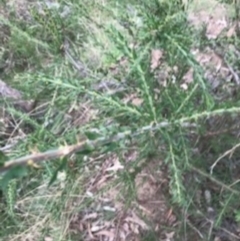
x,y
42,156
81,146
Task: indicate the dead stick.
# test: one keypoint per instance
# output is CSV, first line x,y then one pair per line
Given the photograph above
x,y
67,150
49,155
85,145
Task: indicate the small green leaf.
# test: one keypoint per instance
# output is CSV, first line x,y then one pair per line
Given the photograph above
x,y
14,173
85,151
110,147
238,216
92,135
3,159
60,168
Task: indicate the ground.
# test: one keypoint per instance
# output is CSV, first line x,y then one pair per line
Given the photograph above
x,y
120,194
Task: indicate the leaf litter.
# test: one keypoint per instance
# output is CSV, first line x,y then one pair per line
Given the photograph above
x,y
107,218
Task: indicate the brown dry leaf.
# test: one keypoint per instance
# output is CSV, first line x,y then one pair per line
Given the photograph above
x,y
96,228
184,86
210,59
188,77
137,101
172,220
215,20
105,233
48,239
90,216
215,27
89,231
9,92
169,213
116,166
102,182
169,236
231,32
133,99
134,228
156,56
126,228
136,220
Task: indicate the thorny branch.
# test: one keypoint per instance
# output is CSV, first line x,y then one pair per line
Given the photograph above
x,y
81,146
185,122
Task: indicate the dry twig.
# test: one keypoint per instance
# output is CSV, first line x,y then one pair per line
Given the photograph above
x,y
81,146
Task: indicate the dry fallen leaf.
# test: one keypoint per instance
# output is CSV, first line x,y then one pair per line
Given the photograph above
x,y
96,228
184,86
215,27
169,236
231,31
136,220
116,166
90,216
48,239
188,78
156,56
137,101
105,233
